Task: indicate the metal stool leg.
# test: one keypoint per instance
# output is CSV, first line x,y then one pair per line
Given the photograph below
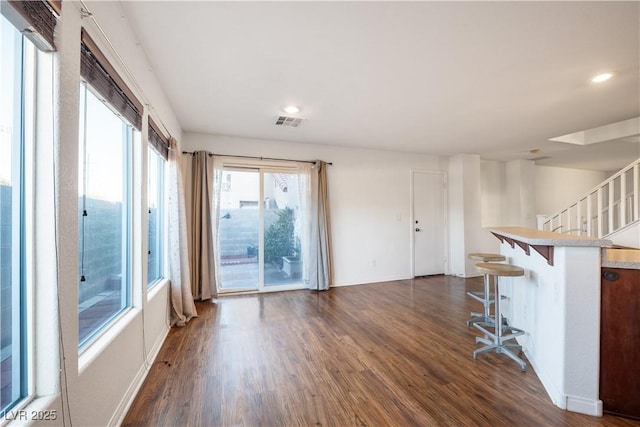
x,y
486,301
498,337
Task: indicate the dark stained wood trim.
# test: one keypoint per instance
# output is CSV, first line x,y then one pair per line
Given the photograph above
x,y
498,236
158,140
509,241
620,341
545,251
56,5
524,246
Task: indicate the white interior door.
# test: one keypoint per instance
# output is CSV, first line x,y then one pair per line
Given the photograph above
x,y
429,223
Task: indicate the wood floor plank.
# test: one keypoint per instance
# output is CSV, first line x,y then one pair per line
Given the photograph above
x,y
394,353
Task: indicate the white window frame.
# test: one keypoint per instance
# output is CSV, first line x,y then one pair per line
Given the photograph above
x,y
130,137
160,237
23,208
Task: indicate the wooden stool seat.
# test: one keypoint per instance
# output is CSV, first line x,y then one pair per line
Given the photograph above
x,y
496,340
500,269
487,257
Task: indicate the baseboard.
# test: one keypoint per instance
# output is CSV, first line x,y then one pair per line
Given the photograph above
x,y
584,406
557,397
382,280
561,400
392,279
136,384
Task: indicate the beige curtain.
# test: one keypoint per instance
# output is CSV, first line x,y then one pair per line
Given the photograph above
x,y
181,298
203,283
218,168
320,267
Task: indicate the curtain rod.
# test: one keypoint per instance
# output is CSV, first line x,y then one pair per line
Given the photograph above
x,y
85,12
259,158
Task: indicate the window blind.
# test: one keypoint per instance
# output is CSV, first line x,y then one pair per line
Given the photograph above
x,y
36,19
158,141
100,74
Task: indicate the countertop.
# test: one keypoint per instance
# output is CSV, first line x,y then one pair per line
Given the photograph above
x,y
532,236
621,258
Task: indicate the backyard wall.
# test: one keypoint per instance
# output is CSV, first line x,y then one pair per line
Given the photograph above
x,y
5,270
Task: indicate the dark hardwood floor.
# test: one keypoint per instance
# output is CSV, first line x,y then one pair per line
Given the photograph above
x,y
395,353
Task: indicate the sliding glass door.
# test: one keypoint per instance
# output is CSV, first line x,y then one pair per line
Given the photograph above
x,y
239,230
260,230
282,229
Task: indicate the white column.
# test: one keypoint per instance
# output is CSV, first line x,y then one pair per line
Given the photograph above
x,y
521,196
465,214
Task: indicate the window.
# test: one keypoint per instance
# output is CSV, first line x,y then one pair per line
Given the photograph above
x,y
105,185
158,154
16,91
23,27
155,195
109,118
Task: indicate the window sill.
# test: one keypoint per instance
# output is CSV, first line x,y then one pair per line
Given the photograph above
x,y
102,342
93,350
156,287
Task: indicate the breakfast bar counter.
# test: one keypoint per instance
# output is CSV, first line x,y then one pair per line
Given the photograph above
x,y
621,258
544,241
557,303
543,237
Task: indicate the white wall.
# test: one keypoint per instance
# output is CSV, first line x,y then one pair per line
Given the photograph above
x,y
556,187
370,202
369,196
628,236
99,384
136,70
513,191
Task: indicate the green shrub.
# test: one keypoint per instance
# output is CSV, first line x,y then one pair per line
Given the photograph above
x,y
279,238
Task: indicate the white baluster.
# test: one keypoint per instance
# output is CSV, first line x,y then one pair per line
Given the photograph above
x,y
600,207
636,191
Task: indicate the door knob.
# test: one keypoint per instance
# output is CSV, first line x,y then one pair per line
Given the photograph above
x,y
417,229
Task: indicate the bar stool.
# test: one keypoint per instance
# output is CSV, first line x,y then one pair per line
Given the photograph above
x,y
486,296
496,340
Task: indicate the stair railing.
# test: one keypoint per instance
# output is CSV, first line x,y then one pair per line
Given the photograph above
x,y
613,204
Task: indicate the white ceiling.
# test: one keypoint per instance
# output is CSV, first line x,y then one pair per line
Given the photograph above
x,y
494,78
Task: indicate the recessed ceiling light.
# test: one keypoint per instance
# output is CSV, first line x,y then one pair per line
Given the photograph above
x,y
601,78
292,109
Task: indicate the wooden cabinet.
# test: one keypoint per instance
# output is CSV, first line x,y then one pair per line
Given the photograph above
x,y
620,342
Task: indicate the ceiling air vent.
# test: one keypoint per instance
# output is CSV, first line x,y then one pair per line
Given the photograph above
x,y
288,121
